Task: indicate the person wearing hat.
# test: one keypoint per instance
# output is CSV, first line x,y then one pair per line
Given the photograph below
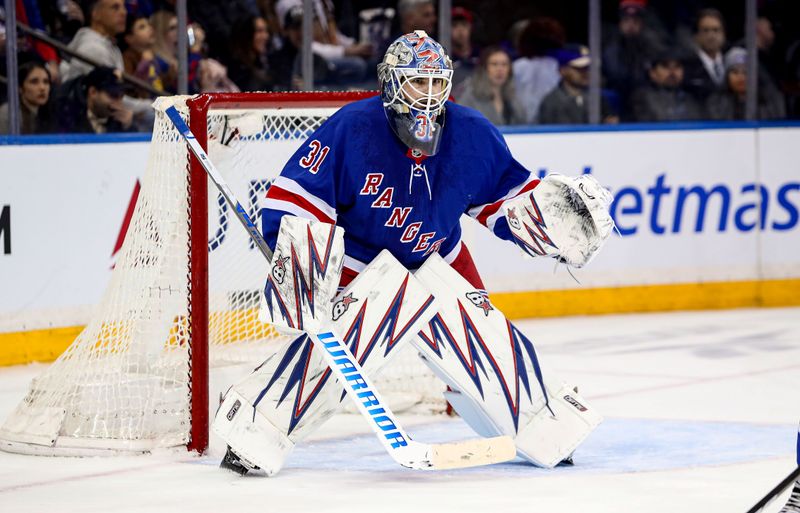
x,y
665,98
729,102
93,104
567,104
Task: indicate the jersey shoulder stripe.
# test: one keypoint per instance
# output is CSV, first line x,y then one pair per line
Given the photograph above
x,y
482,213
287,184
287,201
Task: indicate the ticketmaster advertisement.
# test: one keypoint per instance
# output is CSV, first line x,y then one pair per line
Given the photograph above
x,y
691,207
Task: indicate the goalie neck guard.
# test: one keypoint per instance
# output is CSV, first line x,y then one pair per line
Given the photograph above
x,y
415,78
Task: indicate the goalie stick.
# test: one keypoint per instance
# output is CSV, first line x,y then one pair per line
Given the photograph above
x,y
345,366
779,489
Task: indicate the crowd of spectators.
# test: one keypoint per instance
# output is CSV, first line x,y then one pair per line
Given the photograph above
x,y
538,73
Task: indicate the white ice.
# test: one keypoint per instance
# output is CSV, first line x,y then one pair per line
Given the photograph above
x,y
701,416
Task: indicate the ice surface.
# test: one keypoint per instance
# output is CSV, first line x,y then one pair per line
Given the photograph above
x,y
701,416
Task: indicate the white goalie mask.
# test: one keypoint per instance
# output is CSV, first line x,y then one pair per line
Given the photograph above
x,y
416,78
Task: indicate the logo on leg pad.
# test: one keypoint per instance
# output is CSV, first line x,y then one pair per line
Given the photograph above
x,y
481,300
279,269
232,412
341,306
571,400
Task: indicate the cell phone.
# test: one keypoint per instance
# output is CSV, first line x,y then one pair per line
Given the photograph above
x,y
190,35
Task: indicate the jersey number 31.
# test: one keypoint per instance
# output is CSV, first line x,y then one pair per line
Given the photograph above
x,y
314,159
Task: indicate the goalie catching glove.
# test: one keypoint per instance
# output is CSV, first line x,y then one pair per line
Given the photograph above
x,y
564,218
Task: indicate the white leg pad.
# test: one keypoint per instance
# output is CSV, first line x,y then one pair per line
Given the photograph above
x,y
293,391
250,434
547,439
499,386
472,414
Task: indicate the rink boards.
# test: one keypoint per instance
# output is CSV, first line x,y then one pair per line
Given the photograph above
x,y
708,218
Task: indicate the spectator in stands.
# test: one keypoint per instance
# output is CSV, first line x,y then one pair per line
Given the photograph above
x,y
205,74
345,59
791,79
98,40
729,103
217,18
165,48
285,61
770,65
664,98
491,90
511,43
34,101
416,15
62,19
705,69
568,102
768,57
536,71
92,103
463,51
629,49
140,58
248,66
29,12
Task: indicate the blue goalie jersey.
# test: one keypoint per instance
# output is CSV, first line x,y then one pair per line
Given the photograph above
x,y
354,171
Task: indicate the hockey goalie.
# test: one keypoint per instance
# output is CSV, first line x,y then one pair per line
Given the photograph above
x,y
364,224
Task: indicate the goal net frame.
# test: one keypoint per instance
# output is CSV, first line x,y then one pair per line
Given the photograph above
x,y
198,107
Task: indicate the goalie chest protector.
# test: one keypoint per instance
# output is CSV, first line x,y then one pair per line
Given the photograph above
x,y
354,171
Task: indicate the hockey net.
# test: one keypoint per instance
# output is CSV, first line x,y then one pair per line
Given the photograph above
x,y
179,302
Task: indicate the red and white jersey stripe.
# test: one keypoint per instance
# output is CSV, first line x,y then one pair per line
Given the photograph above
x,y
488,213
289,196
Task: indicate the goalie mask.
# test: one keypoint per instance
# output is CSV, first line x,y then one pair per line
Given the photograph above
x,y
415,79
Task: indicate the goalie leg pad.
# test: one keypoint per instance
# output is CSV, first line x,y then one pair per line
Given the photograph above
x,y
498,385
294,391
250,434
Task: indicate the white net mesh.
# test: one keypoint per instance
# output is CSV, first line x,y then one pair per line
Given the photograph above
x,y
125,382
